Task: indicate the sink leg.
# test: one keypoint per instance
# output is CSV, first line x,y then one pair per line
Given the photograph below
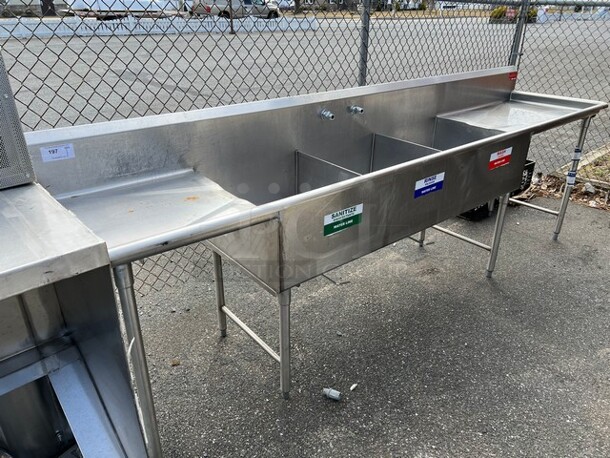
x,y
284,303
422,238
220,294
495,244
571,177
123,276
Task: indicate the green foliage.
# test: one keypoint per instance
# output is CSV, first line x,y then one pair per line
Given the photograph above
x,y
422,7
532,15
498,12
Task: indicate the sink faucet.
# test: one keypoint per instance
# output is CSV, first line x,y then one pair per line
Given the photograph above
x,y
326,114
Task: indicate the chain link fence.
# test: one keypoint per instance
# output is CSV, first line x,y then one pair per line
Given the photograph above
x,y
107,62
87,61
568,53
171,268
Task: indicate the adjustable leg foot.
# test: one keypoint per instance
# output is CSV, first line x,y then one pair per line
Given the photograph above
x,y
422,238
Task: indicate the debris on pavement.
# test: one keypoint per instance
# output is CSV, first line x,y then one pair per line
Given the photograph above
x,y
552,186
589,188
332,394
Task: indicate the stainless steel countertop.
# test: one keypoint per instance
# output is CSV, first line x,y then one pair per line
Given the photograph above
x,y
42,242
128,213
511,116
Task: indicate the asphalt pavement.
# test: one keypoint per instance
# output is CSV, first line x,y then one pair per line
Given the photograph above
x,y
447,362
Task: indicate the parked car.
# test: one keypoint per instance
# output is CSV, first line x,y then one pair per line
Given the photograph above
x,y
410,5
286,5
241,8
113,9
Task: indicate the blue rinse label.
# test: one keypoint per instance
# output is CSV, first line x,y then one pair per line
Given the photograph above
x,y
428,185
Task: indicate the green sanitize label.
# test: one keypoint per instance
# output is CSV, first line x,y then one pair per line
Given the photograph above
x,y
342,219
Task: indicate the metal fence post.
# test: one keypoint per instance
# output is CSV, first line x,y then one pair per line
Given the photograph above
x,y
231,15
517,46
365,21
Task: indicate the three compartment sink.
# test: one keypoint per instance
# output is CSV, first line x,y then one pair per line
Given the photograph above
x,y
280,169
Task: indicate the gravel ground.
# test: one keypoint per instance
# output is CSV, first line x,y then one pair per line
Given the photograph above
x,y
447,362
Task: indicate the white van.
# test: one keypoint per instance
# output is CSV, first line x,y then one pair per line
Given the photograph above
x,y
241,8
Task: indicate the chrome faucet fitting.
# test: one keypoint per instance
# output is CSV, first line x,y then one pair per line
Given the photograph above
x,y
326,114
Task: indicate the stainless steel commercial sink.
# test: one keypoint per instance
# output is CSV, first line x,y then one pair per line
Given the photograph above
x,y
290,188
145,185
